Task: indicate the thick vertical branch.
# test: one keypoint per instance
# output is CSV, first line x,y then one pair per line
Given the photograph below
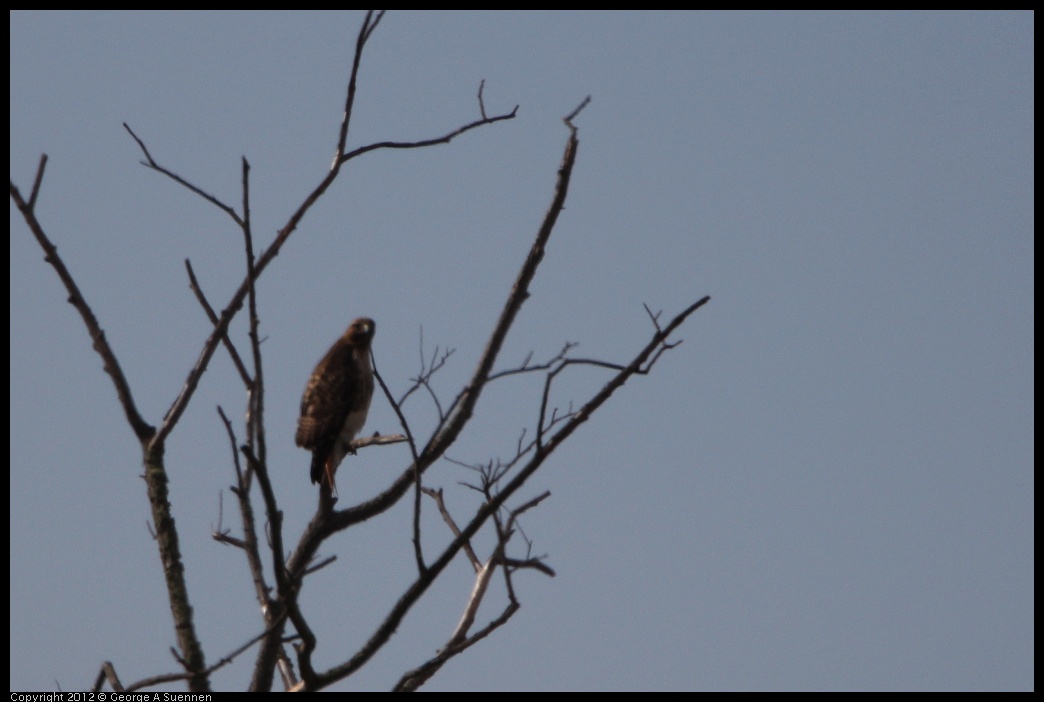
x,y
155,474
173,570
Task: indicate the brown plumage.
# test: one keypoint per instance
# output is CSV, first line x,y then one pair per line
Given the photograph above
x,y
334,405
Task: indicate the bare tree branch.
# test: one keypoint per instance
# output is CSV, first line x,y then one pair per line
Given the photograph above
x,y
155,475
108,671
417,550
412,680
150,162
568,119
237,360
249,542
369,24
142,429
527,368
462,408
37,181
445,139
427,370
459,641
378,440
470,552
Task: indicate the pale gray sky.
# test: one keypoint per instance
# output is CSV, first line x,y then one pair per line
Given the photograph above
x,y
829,485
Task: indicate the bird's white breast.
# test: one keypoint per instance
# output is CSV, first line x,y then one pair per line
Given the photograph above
x,y
352,426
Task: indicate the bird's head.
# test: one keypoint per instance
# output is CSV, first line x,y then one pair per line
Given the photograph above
x,y
360,332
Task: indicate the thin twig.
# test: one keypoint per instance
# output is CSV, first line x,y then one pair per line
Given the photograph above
x,y
237,361
37,181
151,163
446,517
445,139
417,551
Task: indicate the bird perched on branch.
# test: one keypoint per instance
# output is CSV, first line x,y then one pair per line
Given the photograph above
x,y
335,403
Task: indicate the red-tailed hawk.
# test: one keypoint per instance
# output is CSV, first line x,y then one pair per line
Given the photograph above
x,y
334,405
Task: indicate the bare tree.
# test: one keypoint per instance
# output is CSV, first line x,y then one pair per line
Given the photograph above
x,y
286,642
